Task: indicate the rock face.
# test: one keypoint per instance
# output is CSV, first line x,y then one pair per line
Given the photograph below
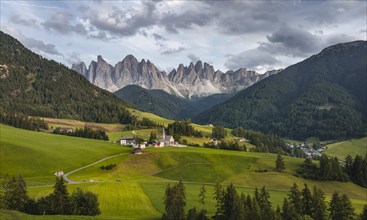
x,y
195,80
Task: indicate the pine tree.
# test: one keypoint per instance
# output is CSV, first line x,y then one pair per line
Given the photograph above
x,y
202,199
335,206
306,201
84,203
318,204
279,163
363,215
349,165
265,204
347,211
14,193
218,196
175,202
289,212
60,200
295,198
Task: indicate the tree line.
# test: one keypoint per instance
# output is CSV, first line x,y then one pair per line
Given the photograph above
x,y
85,132
24,122
354,170
226,145
263,142
231,205
178,128
13,195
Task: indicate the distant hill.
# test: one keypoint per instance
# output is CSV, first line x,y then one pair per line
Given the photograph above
x,y
33,85
323,96
166,105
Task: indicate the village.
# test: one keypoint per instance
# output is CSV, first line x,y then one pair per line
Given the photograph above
x,y
306,150
139,144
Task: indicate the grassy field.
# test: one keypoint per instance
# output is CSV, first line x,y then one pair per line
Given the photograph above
x,y
37,155
142,133
134,189
69,123
352,147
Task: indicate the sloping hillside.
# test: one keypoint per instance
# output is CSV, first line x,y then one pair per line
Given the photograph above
x,y
322,96
33,85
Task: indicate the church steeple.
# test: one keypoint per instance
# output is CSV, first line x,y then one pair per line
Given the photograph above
x,y
163,134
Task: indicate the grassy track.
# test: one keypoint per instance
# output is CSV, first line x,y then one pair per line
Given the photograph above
x,y
352,147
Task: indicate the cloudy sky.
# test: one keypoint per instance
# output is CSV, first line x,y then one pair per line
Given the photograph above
x,y
258,35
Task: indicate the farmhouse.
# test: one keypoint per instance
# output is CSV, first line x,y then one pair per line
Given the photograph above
x,y
157,143
66,130
59,173
127,140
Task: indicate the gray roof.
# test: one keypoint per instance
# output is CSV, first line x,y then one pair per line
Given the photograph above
x,y
168,137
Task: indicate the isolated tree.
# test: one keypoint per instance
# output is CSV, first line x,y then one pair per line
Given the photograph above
x,y
279,163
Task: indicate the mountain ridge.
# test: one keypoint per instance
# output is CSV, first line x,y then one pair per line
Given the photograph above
x,y
195,80
323,96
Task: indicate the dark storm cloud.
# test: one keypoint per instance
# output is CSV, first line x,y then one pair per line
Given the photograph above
x,y
16,19
292,42
62,22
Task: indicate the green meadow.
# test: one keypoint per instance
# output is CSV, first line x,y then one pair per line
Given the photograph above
x,y
134,189
352,147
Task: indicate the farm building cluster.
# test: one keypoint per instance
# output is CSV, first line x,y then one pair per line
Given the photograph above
x,y
307,150
165,140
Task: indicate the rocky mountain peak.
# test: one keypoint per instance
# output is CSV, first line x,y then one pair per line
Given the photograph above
x,y
199,79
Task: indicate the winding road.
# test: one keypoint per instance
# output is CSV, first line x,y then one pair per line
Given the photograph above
x,y
65,176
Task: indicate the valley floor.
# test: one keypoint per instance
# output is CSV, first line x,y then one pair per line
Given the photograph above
x,y
134,189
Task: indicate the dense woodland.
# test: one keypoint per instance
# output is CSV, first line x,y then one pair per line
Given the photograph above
x,y
24,122
354,170
185,128
263,142
230,205
33,85
84,133
13,195
323,96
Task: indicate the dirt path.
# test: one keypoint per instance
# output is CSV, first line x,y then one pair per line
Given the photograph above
x,y
89,165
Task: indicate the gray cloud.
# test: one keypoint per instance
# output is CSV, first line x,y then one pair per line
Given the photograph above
x,y
40,46
62,22
292,42
73,58
16,19
173,50
158,37
193,58
250,59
